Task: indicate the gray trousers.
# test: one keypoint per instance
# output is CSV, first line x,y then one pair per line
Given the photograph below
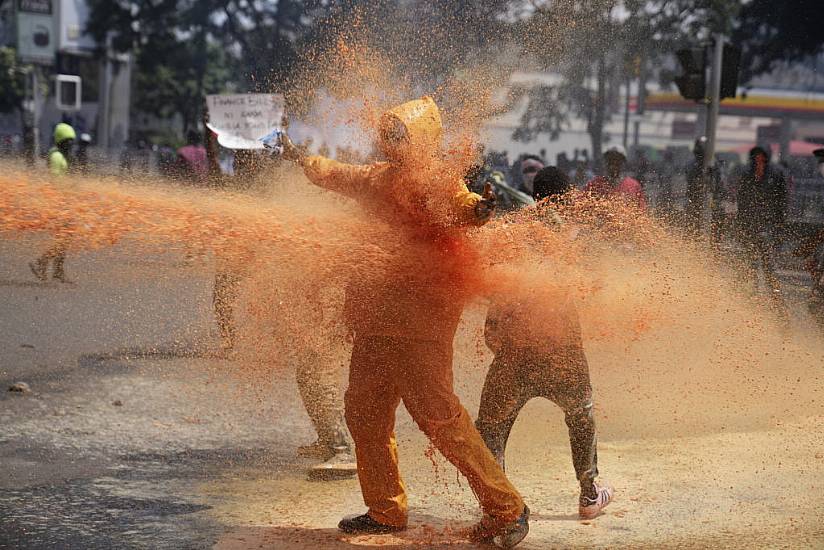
x,y
319,387
317,371
56,255
562,376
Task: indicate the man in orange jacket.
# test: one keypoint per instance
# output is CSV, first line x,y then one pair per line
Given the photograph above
x,y
404,321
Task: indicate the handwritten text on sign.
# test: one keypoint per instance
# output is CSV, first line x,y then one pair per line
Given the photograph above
x,y
240,120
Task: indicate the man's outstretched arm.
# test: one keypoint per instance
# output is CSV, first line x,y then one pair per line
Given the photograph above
x,y
347,179
351,180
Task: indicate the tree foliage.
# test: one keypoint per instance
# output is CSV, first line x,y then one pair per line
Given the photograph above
x,y
581,41
771,32
419,45
175,86
433,39
265,44
187,48
12,81
595,45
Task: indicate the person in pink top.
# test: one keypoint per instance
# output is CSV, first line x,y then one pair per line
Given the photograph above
x,y
192,164
614,183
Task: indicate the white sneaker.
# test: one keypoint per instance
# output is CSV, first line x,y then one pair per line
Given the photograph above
x,y
589,508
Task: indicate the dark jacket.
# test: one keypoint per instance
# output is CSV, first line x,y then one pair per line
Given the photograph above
x,y
762,205
696,190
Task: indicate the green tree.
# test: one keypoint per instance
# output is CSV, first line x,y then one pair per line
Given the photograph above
x,y
419,44
187,48
177,86
268,45
771,32
581,41
594,46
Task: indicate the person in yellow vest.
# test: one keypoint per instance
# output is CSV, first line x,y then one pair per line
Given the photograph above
x,y
404,321
60,159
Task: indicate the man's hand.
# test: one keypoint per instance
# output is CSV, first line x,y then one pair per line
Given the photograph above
x,y
290,151
279,143
485,208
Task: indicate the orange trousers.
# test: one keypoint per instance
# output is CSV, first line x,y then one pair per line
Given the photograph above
x,y
385,370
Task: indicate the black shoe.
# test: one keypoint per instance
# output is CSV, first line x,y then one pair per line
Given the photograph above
x,y
506,536
364,524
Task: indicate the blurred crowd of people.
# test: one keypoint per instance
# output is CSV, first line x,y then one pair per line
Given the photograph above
x,y
740,209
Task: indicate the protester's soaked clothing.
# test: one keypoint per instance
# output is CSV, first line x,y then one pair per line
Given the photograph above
x,y
317,357
416,291
538,361
405,312
816,305
58,163
55,254
385,371
192,162
699,189
762,202
762,206
317,376
759,252
560,375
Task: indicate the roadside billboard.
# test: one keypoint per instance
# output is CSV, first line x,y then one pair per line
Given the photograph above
x,y
36,42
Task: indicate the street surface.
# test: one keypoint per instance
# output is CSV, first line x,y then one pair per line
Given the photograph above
x,y
137,433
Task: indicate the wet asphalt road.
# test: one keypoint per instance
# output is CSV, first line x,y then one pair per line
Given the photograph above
x,y
126,414
136,435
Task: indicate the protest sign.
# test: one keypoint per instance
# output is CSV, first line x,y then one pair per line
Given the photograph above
x,y
240,120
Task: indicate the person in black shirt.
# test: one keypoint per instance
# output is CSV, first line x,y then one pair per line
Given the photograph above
x,y
762,206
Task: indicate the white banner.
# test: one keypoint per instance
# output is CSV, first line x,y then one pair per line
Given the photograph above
x,y
240,120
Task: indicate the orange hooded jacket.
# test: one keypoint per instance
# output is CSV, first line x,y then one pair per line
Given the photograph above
x,y
421,293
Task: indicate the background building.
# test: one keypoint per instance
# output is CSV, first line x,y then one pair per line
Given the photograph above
x,y
49,38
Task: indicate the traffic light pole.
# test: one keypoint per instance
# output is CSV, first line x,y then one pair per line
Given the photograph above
x,y
32,106
714,96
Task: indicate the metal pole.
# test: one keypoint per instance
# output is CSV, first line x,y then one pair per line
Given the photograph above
x,y
37,101
642,100
28,119
626,114
104,106
714,96
714,100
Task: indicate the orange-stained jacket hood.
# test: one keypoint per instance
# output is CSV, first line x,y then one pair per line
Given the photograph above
x,y
415,127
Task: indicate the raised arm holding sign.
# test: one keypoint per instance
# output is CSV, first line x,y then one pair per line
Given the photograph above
x,y
240,120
